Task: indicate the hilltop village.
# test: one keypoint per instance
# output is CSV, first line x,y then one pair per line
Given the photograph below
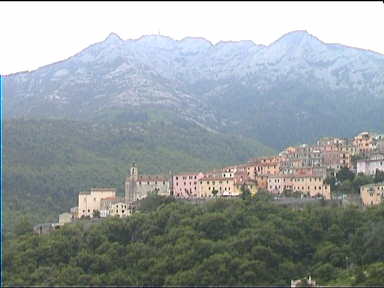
x,y
303,169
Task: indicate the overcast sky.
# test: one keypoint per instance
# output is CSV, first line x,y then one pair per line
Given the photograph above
x,y
39,33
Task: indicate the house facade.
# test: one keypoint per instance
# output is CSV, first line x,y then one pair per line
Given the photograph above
x,y
364,142
120,209
306,184
186,184
209,184
372,194
90,201
371,164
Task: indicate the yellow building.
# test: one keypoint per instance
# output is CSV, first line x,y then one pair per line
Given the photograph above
x,y
90,201
263,166
372,194
364,142
241,179
223,186
308,185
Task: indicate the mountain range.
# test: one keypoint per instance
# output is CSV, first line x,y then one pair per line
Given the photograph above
x,y
294,90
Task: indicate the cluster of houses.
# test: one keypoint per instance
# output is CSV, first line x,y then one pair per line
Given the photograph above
x,y
302,169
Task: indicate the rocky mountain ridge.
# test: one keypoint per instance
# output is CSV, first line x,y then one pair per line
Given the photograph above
x,y
254,90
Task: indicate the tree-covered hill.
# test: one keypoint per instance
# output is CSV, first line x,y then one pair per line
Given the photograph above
x,y
48,162
222,242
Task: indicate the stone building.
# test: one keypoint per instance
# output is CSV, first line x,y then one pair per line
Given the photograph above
x,y
106,204
372,194
45,228
120,209
303,283
75,212
137,187
65,218
90,201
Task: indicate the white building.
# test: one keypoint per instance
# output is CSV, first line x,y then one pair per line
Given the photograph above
x,y
370,165
121,209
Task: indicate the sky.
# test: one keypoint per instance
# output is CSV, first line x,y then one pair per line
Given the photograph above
x,y
34,34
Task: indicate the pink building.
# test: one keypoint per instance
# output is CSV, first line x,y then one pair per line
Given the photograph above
x,y
186,184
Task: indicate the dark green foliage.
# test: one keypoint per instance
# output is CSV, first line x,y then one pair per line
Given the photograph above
x,y
350,185
290,193
263,195
153,201
361,180
96,214
379,176
220,242
331,180
344,174
245,192
23,226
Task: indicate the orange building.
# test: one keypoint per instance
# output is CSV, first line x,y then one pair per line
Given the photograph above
x,y
372,194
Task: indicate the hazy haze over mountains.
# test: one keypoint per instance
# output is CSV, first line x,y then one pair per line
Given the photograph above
x,y
294,90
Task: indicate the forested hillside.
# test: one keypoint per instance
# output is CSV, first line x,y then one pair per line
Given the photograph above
x,y
223,242
48,162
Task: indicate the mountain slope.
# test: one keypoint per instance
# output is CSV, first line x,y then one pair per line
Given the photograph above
x,y
253,90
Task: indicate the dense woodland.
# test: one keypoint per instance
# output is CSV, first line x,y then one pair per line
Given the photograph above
x,y
246,241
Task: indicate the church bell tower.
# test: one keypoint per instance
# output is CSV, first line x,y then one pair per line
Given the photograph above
x,y
134,172
130,184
